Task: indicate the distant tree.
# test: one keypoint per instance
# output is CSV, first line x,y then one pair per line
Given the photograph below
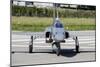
x,y
86,7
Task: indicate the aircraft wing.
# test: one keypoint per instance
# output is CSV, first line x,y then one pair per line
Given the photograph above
x,y
76,2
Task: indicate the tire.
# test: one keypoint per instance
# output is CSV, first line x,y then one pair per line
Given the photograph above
x,y
77,45
30,48
77,49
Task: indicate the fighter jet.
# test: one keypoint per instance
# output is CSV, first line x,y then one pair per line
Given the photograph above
x,y
56,34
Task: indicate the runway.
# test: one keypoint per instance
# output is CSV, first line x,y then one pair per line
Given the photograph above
x,y
42,52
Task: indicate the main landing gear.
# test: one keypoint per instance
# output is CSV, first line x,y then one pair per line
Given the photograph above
x,y
77,44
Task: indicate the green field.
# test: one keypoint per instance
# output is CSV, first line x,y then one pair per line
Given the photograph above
x,y
23,23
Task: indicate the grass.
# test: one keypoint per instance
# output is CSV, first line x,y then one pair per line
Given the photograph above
x,y
40,23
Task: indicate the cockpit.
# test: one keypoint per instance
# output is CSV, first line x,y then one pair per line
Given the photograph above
x,y
58,24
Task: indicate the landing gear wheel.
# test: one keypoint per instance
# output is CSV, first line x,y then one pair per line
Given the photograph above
x,y
77,45
56,48
77,49
30,48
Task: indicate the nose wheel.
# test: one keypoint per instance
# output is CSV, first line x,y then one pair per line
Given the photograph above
x,y
56,48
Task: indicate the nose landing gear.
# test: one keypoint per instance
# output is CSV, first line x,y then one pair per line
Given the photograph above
x,y
56,47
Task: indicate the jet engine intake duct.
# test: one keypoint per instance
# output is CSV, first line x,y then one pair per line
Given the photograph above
x,y
66,34
47,34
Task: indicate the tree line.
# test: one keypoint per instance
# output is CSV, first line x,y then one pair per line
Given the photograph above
x,y
48,12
